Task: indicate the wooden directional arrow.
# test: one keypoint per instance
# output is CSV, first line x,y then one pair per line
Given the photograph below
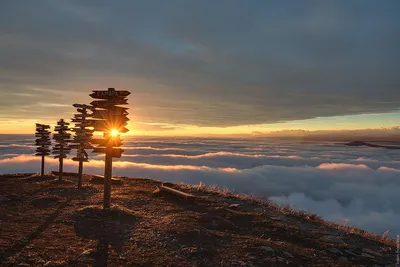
x,y
80,131
63,127
81,115
80,159
108,103
81,122
84,106
43,141
102,114
77,146
42,154
43,150
115,142
116,152
42,126
123,130
110,93
44,144
64,135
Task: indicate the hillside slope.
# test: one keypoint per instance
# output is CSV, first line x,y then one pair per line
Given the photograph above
x,y
46,223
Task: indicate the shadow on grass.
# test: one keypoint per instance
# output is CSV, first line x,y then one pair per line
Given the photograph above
x,y
38,178
21,244
112,227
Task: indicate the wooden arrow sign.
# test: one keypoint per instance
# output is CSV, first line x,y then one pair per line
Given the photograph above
x,y
102,114
43,150
42,154
43,140
116,152
77,146
115,142
81,116
47,144
42,126
80,159
123,130
82,106
111,92
108,103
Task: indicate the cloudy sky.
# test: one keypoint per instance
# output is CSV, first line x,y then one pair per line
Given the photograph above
x,y
203,66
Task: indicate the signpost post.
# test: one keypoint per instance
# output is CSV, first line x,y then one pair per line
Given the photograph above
x,y
112,120
82,137
43,142
61,149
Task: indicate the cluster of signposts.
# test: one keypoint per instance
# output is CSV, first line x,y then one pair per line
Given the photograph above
x,y
61,149
43,142
107,116
82,138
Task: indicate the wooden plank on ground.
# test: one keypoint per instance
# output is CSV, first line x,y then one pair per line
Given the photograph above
x,y
99,179
177,192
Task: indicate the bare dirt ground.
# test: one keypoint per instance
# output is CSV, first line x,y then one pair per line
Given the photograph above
x,y
47,223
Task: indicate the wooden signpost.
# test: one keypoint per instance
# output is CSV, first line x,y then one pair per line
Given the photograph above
x,y
61,149
111,121
43,142
82,137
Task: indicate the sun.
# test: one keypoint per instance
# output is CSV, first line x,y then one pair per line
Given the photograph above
x,y
114,132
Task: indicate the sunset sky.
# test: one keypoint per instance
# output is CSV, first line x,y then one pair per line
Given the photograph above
x,y
203,67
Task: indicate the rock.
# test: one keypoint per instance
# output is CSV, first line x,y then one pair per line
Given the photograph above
x,y
287,254
234,206
335,250
366,255
281,259
351,253
268,249
23,265
370,252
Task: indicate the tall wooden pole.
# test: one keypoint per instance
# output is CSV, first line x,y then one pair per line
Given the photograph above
x,y
60,169
107,176
42,169
80,174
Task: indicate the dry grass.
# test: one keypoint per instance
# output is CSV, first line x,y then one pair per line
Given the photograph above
x,y
287,209
147,228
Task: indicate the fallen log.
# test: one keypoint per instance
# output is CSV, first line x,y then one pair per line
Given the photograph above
x,y
177,193
99,179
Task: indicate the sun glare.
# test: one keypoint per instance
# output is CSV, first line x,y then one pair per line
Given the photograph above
x,y
114,132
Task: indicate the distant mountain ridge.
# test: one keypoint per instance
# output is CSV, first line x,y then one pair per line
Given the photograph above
x,y
362,143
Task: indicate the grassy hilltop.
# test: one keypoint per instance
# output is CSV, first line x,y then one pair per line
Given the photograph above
x,y
47,223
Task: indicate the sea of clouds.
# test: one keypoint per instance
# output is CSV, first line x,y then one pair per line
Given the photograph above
x,y
358,184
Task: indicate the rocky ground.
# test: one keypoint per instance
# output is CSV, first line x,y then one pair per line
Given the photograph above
x,y
47,223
